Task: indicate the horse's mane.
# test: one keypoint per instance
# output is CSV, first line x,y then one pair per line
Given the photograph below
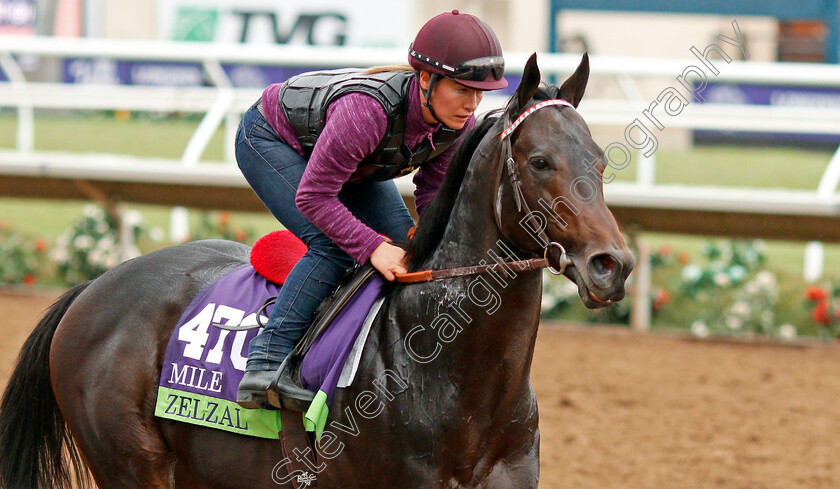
x,y
433,222
435,218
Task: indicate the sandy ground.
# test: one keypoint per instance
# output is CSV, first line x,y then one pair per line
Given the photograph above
x,y
619,410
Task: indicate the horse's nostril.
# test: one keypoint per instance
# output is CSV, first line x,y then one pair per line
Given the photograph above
x,y
602,265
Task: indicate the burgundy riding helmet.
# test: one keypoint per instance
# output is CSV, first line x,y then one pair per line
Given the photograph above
x,y
460,47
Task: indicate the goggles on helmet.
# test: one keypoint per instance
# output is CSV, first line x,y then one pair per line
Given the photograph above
x,y
473,70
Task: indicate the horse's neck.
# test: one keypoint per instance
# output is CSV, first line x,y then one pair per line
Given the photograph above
x,y
471,234
493,317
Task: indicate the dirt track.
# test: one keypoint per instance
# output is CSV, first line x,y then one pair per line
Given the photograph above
x,y
638,412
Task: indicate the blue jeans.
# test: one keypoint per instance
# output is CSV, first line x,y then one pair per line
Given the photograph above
x,y
274,169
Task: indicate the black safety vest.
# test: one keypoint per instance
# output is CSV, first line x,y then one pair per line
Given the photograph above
x,y
304,100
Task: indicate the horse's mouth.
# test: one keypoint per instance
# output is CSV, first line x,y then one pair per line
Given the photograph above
x,y
588,296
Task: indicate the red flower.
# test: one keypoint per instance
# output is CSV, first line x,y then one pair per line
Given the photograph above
x,y
820,313
815,294
224,218
41,245
683,257
665,250
29,279
240,235
660,298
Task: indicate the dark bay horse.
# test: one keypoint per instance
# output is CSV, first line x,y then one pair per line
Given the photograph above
x,y
442,397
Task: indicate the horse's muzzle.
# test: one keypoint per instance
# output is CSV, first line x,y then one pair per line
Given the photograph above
x,y
601,276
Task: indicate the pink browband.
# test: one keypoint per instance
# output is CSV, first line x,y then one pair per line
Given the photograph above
x,y
545,103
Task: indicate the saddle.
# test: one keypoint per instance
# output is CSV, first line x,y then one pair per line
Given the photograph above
x,y
298,399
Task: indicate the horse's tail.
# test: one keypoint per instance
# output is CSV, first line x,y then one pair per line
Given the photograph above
x,y
36,449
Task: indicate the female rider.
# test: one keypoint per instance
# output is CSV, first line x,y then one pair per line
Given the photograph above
x,y
321,150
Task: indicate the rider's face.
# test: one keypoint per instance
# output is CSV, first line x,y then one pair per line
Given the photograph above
x,y
453,103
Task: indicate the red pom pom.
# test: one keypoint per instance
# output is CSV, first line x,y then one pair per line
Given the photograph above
x,y
275,254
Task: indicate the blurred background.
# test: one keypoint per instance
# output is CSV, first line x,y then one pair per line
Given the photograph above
x,y
117,120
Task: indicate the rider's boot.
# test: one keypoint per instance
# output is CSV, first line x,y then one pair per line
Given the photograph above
x,y
253,387
267,386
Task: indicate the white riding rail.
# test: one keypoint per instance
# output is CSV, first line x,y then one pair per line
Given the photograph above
x,y
222,103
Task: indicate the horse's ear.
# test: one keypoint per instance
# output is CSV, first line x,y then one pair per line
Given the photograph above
x,y
527,88
573,88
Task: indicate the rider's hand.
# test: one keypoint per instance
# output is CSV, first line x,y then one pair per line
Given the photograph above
x,y
388,259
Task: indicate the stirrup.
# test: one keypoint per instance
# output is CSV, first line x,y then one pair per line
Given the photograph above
x,y
254,396
283,393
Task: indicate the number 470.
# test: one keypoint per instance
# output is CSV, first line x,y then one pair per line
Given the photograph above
x,y
195,333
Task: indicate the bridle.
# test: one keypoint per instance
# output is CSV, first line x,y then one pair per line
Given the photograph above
x,y
508,165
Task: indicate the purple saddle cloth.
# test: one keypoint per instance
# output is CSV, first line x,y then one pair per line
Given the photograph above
x,y
204,364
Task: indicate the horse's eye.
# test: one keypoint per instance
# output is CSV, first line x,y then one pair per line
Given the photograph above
x,y
540,163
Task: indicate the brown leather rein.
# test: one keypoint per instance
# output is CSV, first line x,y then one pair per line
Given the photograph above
x,y
507,164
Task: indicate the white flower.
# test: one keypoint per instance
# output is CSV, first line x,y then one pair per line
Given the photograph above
x,y
83,242
101,227
766,280
733,322
59,255
96,257
699,329
741,308
722,279
692,273
91,211
787,331
737,273
751,256
751,287
105,243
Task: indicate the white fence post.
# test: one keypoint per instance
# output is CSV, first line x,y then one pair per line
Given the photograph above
x,y
640,314
26,111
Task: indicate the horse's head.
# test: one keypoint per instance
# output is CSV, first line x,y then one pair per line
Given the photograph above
x,y
560,200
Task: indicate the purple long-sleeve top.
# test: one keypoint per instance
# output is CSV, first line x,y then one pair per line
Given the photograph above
x,y
354,127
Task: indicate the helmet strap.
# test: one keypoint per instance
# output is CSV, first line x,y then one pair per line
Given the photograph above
x,y
433,77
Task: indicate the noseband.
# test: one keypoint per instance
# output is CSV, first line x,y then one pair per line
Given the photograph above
x,y
509,164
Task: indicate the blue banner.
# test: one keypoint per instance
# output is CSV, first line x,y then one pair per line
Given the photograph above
x,y
17,14
777,96
110,72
